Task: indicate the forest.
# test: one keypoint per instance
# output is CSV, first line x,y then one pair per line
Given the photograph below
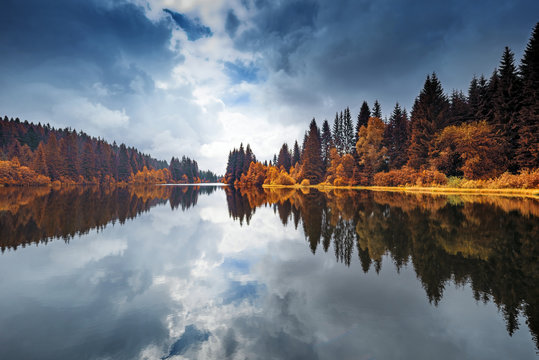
x,y
486,138
33,154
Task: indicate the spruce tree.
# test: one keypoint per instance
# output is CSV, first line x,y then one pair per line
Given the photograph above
x,y
327,143
312,155
284,159
362,119
527,154
429,115
348,132
337,139
296,154
396,138
377,110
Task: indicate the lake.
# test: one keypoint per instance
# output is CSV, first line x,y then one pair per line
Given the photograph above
x,y
186,272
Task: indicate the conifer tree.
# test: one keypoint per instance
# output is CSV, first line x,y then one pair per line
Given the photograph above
x,y
396,138
527,153
377,110
429,115
124,166
296,154
459,109
88,163
337,132
284,159
348,132
362,119
39,164
312,155
326,143
507,105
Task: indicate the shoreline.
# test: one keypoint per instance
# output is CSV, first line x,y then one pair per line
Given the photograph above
x,y
515,192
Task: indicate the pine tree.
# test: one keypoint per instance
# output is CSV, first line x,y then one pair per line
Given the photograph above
x,y
69,150
284,158
240,159
124,166
39,164
88,163
377,110
459,109
527,153
312,155
326,143
348,132
396,138
362,119
507,105
53,159
296,154
429,115
249,157
337,133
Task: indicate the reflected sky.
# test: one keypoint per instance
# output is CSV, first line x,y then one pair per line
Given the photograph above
x,y
192,283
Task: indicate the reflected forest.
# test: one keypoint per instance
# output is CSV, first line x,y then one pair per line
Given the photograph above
x,y
487,242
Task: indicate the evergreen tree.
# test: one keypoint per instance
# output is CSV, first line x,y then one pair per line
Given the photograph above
x,y
88,164
459,109
348,132
124,166
362,119
284,158
312,155
296,154
326,143
527,153
429,115
249,157
240,159
396,138
507,103
68,147
39,164
377,110
337,132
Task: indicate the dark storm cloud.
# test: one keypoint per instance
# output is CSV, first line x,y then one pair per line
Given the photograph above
x,y
72,43
193,28
386,48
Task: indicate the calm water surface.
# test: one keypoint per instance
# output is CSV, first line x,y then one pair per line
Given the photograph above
x,y
212,273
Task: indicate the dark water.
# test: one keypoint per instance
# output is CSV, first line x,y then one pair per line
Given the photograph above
x,y
211,273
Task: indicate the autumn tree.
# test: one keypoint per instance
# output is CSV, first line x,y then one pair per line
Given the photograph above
x,y
470,149
370,149
39,164
124,166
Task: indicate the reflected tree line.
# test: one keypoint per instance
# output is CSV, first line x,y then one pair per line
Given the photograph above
x,y
38,215
487,242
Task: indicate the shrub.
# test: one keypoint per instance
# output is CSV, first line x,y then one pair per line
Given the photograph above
x,y
305,182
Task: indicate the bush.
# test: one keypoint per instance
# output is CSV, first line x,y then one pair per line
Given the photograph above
x,y
305,182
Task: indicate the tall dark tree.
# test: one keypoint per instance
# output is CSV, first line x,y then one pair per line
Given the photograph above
x,y
376,110
459,109
69,150
429,115
362,119
240,159
88,163
508,102
124,165
337,132
348,132
326,143
312,155
249,157
527,153
396,138
296,154
284,159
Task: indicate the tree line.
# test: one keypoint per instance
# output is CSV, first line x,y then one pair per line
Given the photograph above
x,y
40,154
491,131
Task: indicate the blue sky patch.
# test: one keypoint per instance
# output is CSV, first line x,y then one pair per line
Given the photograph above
x,y
239,72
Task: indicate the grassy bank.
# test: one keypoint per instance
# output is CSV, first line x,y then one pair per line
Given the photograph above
x,y
420,189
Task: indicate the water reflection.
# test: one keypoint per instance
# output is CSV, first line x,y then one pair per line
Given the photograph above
x,y
487,242
266,274
38,215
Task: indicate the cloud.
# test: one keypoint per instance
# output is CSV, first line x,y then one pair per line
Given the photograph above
x,y
232,23
93,115
192,28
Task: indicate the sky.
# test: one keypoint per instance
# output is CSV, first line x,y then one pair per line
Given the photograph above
x,y
199,77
